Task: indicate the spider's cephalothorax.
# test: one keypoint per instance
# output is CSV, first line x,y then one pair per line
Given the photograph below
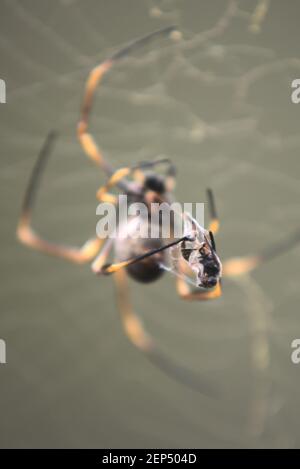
x,y
155,182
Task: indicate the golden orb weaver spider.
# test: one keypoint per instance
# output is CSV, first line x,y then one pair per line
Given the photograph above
x,y
142,258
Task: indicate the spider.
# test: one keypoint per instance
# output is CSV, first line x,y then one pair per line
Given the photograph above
x,y
143,259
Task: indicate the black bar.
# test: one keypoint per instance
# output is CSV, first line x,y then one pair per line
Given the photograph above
x,y
143,457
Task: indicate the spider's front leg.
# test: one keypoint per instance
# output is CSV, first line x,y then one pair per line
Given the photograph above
x,y
26,233
103,194
85,137
100,268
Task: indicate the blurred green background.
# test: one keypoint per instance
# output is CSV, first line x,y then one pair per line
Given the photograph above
x,y
218,103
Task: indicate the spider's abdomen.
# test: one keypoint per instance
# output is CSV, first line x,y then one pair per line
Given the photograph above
x,y
147,270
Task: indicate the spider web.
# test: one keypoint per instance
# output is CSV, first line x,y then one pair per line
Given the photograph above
x,y
217,103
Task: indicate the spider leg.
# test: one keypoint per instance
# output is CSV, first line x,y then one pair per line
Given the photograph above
x,y
103,195
185,291
115,267
241,265
137,335
100,260
131,323
214,225
28,236
87,141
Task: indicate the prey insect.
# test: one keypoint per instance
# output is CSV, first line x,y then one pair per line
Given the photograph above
x,y
199,251
195,264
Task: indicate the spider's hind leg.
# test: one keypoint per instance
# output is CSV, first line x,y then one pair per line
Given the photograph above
x,y
137,335
241,265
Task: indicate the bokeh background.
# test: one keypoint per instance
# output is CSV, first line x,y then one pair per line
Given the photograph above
x,y
218,103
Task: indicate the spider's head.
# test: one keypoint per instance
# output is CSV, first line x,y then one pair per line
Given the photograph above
x,y
155,183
